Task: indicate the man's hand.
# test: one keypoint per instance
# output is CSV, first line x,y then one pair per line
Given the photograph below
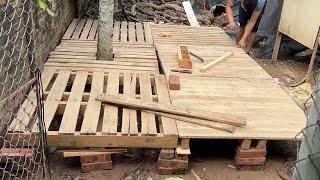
x,y
231,26
242,43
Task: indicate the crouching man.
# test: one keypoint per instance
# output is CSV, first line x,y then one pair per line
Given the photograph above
x,y
250,13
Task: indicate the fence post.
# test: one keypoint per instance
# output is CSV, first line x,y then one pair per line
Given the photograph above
x,y
105,48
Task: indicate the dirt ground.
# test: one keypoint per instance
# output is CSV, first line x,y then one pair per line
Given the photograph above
x,y
209,160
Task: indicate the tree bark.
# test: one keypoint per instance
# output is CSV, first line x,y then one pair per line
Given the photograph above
x,y
105,48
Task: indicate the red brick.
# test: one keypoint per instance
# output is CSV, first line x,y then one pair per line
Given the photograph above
x,y
166,163
181,164
244,153
165,171
250,161
166,153
95,158
96,166
174,83
181,156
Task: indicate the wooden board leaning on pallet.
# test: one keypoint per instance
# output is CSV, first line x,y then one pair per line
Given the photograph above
x,y
216,120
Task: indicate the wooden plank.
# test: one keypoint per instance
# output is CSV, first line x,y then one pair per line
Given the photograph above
x,y
167,118
116,31
169,125
148,122
28,108
90,152
71,29
132,32
78,30
133,123
86,30
93,30
54,97
140,33
71,113
56,140
124,32
147,32
276,47
190,14
110,115
216,61
92,112
154,106
127,91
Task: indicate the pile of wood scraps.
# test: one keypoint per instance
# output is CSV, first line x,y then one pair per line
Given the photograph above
x,y
215,120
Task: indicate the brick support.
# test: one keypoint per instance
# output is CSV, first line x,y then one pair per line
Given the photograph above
x,y
251,155
169,162
96,162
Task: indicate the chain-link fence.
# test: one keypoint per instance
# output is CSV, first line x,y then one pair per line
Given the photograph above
x,y
307,167
22,142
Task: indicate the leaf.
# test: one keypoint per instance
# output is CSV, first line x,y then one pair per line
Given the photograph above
x,y
44,6
50,13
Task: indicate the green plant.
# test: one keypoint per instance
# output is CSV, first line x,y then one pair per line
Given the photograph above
x,y
44,6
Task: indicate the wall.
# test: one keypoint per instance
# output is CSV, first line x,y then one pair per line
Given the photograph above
x,y
49,30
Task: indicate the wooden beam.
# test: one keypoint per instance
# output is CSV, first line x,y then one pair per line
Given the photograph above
x,y
276,47
190,14
155,106
313,57
204,123
105,48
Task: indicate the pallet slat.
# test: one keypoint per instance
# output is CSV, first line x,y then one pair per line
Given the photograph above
x,y
132,32
147,119
133,121
110,115
140,33
92,112
116,31
86,30
54,97
124,31
147,32
71,113
22,120
71,29
169,125
78,30
93,30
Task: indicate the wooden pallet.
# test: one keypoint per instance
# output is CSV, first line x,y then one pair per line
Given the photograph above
x,y
177,34
237,85
74,118
124,32
81,55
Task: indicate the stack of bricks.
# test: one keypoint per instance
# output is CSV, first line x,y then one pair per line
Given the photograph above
x,y
96,162
250,155
169,162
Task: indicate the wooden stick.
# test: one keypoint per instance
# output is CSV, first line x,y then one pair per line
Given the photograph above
x,y
204,123
154,106
214,62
